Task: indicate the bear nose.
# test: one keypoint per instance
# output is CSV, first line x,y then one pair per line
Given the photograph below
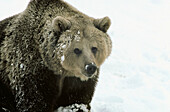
x,y
90,69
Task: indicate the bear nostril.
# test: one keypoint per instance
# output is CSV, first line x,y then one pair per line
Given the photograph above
x,y
90,69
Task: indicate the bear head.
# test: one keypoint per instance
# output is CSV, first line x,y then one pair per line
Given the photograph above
x,y
76,46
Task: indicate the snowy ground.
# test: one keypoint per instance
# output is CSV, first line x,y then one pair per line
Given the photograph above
x,y
136,77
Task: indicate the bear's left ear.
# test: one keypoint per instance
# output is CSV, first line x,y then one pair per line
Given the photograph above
x,y
102,24
60,24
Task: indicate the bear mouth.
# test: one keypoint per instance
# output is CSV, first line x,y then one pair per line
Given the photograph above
x,y
84,76
84,73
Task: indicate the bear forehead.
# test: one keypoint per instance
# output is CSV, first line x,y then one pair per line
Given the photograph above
x,y
84,42
87,31
88,37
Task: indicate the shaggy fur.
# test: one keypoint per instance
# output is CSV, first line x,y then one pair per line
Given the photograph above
x,y
38,68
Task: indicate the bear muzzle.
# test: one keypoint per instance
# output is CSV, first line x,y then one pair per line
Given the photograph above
x,y
90,69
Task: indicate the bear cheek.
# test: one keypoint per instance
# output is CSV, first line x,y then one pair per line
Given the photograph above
x,y
69,63
66,65
101,58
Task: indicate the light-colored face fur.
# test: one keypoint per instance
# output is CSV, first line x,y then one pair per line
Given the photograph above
x,y
78,46
93,48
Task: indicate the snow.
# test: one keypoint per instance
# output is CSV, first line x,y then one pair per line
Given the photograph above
x,y
21,66
62,59
136,77
73,108
4,109
78,32
77,38
63,47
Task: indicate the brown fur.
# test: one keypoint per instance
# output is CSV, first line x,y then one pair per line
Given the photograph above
x,y
32,45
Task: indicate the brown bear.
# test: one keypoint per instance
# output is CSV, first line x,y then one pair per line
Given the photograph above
x,y
50,57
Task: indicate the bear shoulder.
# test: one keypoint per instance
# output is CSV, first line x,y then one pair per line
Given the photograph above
x,y
3,24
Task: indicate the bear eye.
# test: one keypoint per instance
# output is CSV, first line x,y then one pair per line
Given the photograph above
x,y
77,51
94,50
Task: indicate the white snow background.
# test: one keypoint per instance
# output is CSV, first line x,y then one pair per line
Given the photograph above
x,y
136,77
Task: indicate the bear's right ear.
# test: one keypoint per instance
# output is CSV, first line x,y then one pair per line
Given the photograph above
x,y
60,24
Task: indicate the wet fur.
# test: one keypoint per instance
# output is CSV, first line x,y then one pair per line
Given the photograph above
x,y
30,78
